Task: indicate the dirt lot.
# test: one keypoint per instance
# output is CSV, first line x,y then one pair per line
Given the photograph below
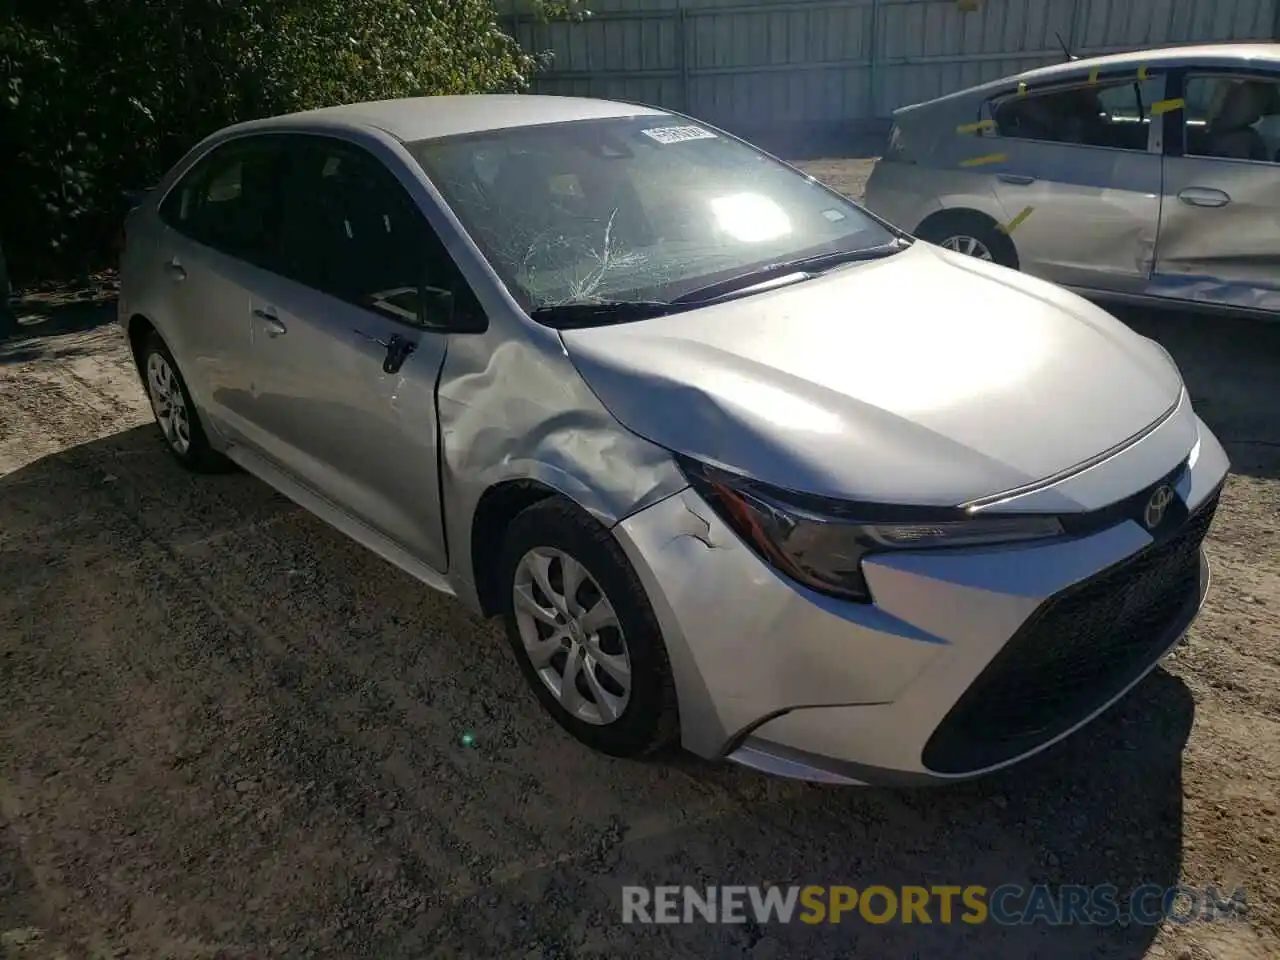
x,y
229,732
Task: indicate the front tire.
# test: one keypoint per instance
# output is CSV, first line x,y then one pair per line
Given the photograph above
x,y
175,413
972,234
584,634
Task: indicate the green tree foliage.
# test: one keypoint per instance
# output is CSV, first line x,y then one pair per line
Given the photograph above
x,y
102,96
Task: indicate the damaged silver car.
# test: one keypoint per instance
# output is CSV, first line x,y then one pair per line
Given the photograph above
x,y
1151,176
740,465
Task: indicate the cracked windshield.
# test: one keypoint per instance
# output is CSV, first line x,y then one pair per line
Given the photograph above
x,y
644,208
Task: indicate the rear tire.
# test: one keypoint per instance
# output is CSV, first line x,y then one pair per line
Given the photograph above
x,y
972,234
174,410
575,610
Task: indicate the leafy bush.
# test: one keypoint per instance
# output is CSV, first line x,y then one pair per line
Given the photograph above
x,y
102,96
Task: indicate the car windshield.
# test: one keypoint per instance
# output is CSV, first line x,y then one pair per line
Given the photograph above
x,y
642,208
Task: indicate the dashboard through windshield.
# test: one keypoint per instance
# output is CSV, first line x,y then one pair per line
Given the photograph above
x,y
633,208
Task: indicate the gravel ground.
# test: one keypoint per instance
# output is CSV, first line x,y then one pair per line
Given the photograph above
x,y
228,732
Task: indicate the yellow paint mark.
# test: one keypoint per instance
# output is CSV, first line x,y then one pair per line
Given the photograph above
x,y
1167,106
975,127
1093,75
1013,224
986,158
1022,89
1142,72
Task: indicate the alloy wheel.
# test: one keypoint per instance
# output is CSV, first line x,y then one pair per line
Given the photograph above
x,y
169,403
969,246
572,635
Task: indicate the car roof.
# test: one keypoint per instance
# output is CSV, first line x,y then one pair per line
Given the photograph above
x,y
1209,55
423,118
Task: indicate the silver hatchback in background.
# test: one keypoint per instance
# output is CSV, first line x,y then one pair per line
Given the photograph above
x,y
1151,176
739,465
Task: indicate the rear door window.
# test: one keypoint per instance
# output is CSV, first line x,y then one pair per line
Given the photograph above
x,y
229,199
1115,114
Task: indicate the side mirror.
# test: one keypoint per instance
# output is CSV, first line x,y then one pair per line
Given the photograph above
x,y
437,308
441,309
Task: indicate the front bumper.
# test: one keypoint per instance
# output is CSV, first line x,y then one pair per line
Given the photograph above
x,y
968,661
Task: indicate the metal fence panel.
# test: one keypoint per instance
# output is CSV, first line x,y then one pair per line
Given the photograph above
x,y
758,62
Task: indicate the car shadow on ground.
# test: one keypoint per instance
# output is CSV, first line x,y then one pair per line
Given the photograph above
x,y
1231,368
225,722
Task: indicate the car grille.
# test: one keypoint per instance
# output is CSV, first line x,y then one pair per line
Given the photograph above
x,y
1076,652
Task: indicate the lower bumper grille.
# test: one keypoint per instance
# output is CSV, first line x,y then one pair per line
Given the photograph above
x,y
1076,652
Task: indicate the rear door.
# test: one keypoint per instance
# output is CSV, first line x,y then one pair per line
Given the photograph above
x,y
1220,226
349,343
1077,170
217,235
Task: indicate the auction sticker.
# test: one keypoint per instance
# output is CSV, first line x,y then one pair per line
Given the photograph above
x,y
667,135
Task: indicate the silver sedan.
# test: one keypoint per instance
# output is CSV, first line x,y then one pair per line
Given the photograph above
x,y
740,465
1151,176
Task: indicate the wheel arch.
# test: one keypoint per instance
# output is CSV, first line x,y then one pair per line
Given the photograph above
x,y
498,506
935,224
138,329
528,483
956,215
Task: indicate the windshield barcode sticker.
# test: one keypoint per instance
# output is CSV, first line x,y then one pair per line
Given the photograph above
x,y
678,134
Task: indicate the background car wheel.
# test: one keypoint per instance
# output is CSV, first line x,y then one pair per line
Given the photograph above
x,y
972,234
174,412
584,633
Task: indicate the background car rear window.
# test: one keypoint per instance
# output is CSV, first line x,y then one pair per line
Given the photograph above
x,y
1114,115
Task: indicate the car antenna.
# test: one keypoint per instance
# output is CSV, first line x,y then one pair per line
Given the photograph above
x,y
1065,49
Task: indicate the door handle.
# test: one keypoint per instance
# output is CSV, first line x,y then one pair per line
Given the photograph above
x,y
397,347
270,322
1204,197
175,270
398,350
1015,178
384,344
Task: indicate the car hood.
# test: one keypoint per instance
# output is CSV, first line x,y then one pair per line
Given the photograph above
x,y
925,377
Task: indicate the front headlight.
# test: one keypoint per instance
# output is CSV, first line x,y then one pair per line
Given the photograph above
x,y
821,543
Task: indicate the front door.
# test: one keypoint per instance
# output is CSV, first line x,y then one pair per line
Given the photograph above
x,y
346,352
1079,179
1220,226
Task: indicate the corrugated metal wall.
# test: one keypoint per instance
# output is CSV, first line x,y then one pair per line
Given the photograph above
x,y
759,62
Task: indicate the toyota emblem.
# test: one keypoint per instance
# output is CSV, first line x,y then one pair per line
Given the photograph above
x,y
1161,497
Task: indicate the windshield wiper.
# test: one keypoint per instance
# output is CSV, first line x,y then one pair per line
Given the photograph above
x,y
781,268
591,313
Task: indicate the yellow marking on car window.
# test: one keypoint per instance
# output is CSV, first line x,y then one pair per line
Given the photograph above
x,y
1093,75
985,158
1013,224
1142,72
975,127
1022,88
1167,106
